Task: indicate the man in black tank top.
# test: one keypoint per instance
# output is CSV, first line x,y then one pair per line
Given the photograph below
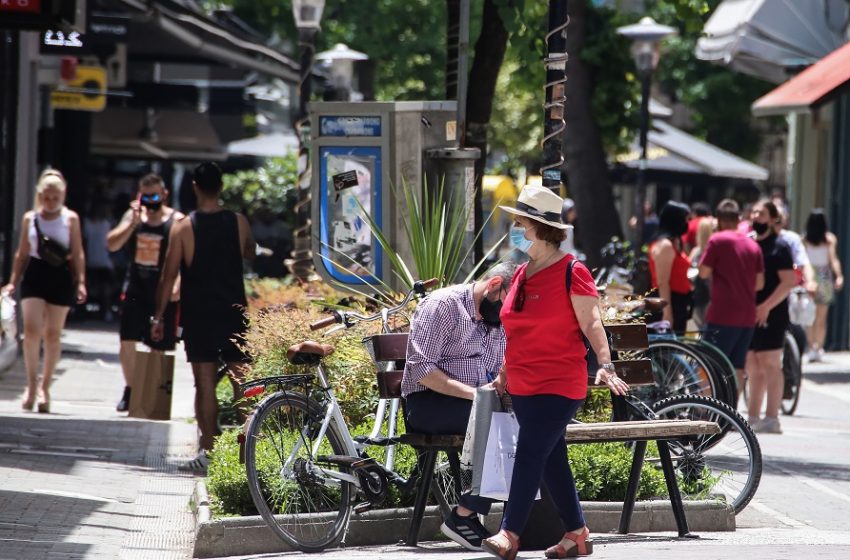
x,y
144,232
207,250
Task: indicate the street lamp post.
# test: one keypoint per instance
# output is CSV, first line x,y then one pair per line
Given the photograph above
x,y
308,16
340,61
646,37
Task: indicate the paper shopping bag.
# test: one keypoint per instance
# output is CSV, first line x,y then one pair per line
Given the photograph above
x,y
152,381
485,403
498,465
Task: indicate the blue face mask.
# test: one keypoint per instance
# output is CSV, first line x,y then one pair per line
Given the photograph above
x,y
518,239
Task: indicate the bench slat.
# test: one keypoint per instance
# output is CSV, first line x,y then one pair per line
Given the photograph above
x,y
628,336
453,441
639,430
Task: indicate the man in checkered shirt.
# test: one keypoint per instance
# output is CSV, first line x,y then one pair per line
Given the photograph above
x,y
456,343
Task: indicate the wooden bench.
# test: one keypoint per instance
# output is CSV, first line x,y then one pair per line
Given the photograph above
x,y
637,373
392,348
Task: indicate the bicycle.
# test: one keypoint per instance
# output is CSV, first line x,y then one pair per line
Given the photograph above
x,y
305,471
727,464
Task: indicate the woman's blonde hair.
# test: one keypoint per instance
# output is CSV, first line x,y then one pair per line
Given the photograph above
x,y
49,178
704,231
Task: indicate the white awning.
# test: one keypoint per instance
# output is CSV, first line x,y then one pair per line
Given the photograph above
x,y
772,39
276,144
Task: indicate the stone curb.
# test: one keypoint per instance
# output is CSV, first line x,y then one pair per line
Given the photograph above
x,y
234,536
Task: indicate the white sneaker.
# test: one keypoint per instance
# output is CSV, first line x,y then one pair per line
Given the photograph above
x,y
814,356
198,465
768,425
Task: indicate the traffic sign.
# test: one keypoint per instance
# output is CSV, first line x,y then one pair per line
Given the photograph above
x,y
86,92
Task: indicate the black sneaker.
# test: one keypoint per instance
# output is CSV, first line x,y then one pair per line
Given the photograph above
x,y
124,403
468,532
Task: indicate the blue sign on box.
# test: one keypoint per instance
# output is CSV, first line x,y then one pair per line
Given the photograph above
x,y
350,126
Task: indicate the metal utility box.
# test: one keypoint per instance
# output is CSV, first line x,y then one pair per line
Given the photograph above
x,y
360,153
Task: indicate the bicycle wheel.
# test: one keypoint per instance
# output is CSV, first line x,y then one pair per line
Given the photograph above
x,y
720,368
727,464
678,370
792,371
296,492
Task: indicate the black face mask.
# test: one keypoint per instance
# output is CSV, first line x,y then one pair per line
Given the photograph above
x,y
490,312
760,228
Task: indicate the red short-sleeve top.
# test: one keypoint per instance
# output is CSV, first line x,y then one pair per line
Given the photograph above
x,y
545,350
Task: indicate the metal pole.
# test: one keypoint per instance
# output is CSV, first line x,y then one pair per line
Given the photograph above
x,y
301,264
462,71
556,81
640,195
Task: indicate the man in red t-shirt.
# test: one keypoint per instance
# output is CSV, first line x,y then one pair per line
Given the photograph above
x,y
735,265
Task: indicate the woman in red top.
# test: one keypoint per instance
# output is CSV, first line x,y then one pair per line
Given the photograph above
x,y
669,265
546,371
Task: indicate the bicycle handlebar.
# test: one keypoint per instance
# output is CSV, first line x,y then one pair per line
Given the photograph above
x,y
349,318
322,323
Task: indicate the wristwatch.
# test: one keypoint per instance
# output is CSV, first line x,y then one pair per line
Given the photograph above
x,y
609,367
155,321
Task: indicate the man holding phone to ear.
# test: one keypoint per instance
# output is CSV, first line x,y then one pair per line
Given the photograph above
x,y
144,230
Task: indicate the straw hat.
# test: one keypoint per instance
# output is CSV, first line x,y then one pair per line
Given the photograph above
x,y
539,204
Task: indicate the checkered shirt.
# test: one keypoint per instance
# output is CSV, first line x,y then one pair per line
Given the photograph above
x,y
445,335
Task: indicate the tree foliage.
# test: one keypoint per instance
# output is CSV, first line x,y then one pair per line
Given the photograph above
x,y
271,186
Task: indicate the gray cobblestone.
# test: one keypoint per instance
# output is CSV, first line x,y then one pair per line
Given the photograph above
x,y
84,481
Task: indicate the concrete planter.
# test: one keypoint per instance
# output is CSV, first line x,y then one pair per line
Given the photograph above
x,y
234,536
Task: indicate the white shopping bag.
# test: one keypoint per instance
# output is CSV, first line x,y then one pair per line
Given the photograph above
x,y
475,443
801,307
499,457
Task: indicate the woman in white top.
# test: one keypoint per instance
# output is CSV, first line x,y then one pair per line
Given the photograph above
x,y
47,289
821,247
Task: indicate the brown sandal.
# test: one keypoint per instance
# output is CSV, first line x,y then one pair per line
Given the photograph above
x,y
494,545
583,546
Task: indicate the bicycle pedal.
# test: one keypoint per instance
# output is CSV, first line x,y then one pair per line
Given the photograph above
x,y
362,508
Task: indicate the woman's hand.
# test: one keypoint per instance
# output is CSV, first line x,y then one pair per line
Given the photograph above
x,y
8,289
499,384
839,283
614,383
157,331
762,313
82,294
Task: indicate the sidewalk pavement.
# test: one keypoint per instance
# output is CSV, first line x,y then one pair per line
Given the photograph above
x,y
85,481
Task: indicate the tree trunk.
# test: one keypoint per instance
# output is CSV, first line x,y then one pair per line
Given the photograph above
x,y
489,54
587,169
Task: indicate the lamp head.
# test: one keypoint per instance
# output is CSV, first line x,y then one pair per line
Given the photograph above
x,y
646,37
308,14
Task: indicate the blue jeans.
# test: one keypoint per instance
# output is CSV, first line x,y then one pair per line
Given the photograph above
x,y
732,341
541,456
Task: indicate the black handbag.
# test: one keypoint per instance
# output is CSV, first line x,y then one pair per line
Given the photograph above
x,y
49,250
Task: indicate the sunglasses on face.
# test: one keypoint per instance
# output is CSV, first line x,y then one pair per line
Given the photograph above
x,y
151,198
519,297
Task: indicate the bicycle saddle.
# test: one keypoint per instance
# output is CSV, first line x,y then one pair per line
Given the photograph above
x,y
308,352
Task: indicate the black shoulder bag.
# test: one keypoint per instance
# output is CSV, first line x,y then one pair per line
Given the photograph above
x,y
49,250
592,362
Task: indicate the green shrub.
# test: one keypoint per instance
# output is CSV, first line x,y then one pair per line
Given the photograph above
x,y
227,482
601,472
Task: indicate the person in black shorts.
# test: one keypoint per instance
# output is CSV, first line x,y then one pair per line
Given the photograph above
x,y
144,232
764,360
49,287
207,250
